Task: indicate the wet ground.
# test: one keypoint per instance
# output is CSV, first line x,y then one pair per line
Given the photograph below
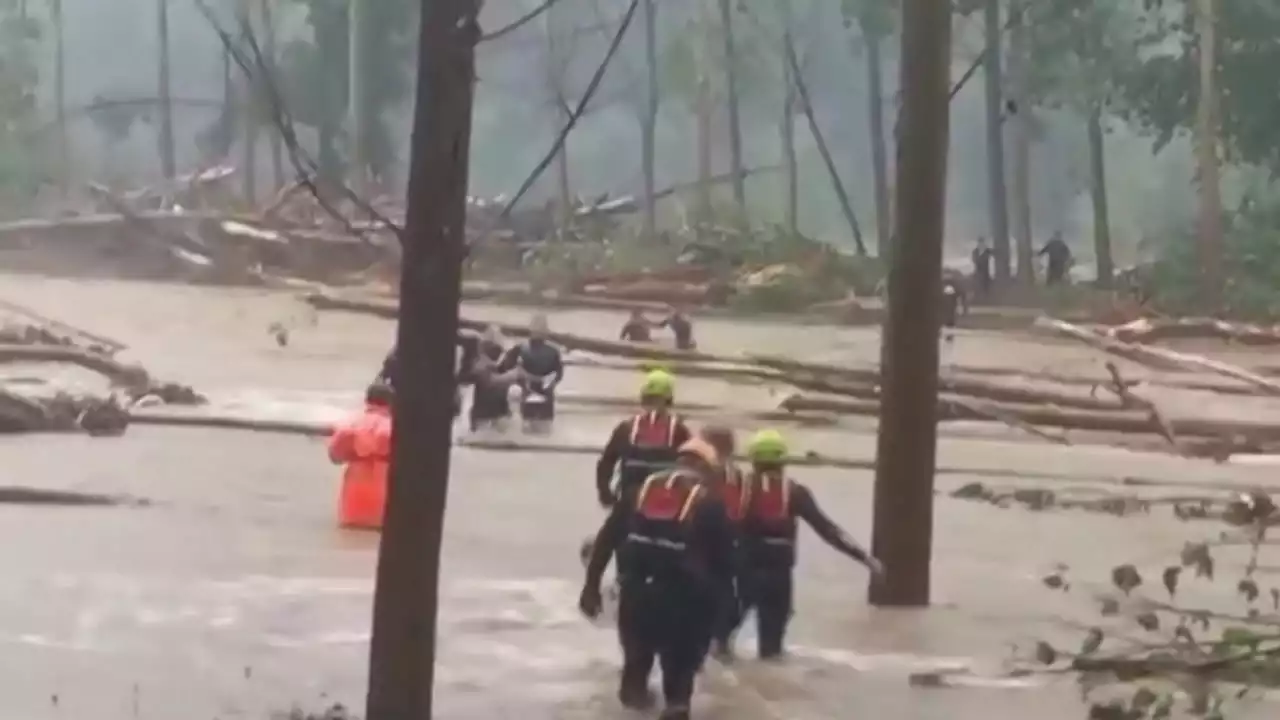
x,y
235,595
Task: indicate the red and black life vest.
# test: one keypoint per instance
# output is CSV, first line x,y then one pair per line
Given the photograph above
x,y
663,507
767,517
651,446
736,493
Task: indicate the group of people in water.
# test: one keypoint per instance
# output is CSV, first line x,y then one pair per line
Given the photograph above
x,y
697,542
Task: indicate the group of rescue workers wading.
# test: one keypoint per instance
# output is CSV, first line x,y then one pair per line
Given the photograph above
x,y
698,542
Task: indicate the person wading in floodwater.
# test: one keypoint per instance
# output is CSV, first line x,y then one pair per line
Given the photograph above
x,y
681,327
541,368
490,406
637,329
769,508
644,443
363,444
675,555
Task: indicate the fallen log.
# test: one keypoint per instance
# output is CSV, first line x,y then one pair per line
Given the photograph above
x,y
1118,421
1161,358
108,344
1120,387
1150,330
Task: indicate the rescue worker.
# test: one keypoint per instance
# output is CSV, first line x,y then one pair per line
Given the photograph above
x,y
770,506
363,444
675,553
643,444
730,489
541,370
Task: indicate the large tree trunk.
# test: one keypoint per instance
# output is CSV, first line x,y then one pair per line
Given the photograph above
x,y
906,450
1098,192
649,122
879,153
1207,160
787,129
167,150
1021,119
402,649
732,106
999,211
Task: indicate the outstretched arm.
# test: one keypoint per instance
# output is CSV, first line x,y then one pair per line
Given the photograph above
x,y
608,461
806,508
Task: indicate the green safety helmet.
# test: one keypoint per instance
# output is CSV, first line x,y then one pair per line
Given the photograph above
x,y
767,447
658,383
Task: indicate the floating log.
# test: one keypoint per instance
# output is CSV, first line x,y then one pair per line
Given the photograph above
x,y
1161,358
1150,330
1117,421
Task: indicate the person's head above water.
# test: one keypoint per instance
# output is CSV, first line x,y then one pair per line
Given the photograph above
x,y
538,328
721,438
658,390
698,455
379,395
767,450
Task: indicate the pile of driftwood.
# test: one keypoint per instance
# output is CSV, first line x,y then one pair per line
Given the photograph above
x,y
31,405
1054,408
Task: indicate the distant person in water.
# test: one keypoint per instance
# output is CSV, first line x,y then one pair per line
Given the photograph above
x,y
1059,259
681,327
638,328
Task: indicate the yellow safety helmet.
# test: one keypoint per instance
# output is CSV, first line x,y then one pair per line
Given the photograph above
x,y
767,447
658,383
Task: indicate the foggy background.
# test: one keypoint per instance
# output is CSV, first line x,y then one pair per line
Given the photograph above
x,y
111,52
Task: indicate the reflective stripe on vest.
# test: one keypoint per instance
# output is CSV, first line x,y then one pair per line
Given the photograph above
x,y
640,440
666,483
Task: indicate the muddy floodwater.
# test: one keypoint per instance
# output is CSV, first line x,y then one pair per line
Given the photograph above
x,y
234,595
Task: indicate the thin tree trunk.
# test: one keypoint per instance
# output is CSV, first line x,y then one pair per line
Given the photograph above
x,y
357,100
907,439
248,108
60,98
879,153
999,211
273,62
405,606
732,106
168,152
649,123
788,128
556,91
703,111
1208,163
1020,190
806,103
1098,192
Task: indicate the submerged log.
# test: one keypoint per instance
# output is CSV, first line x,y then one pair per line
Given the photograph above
x,y
1149,330
133,379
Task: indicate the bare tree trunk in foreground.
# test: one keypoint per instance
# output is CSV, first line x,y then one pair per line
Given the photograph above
x,y
733,108
402,650
1098,193
1207,161
649,123
879,153
1020,121
907,442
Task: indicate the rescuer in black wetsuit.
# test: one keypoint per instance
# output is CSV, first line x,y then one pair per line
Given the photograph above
x,y
767,511
541,370
675,553
643,444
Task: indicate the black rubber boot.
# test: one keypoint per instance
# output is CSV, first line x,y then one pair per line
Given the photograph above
x,y
636,698
680,712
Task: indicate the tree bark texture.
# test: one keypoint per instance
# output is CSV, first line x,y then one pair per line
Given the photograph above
x,y
907,439
649,122
998,203
402,650
168,153
732,106
879,152
1098,193
1020,125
